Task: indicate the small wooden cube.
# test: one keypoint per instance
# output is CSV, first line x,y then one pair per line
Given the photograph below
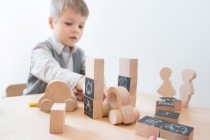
x,y
167,115
94,88
162,105
93,108
94,68
57,118
173,131
149,126
129,83
177,102
128,67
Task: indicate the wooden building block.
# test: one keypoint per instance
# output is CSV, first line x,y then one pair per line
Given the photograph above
x,y
167,106
93,108
128,67
173,131
57,91
167,116
149,126
94,88
129,83
177,102
133,100
57,118
94,68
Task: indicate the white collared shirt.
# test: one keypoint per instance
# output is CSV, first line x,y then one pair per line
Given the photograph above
x,y
45,67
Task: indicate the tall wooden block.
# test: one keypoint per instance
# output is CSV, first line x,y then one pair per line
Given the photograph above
x,y
133,100
93,108
173,131
129,83
167,106
57,118
94,88
167,115
149,126
177,103
128,67
94,68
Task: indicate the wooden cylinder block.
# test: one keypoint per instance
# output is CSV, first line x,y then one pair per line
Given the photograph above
x,y
115,117
128,114
117,97
105,110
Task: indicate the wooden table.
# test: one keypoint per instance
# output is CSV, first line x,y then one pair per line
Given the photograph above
x,y
18,121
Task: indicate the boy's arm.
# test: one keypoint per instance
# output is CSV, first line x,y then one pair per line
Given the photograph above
x,y
46,68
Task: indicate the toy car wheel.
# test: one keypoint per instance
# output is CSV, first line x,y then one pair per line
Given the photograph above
x,y
70,105
46,105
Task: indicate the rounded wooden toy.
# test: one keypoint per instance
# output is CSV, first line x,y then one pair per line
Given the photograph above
x,y
57,91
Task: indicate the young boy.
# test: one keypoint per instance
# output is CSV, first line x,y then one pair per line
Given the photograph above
x,y
59,57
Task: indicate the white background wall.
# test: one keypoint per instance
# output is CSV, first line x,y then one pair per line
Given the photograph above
x,y
160,33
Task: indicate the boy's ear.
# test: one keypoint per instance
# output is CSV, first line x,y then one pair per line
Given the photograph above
x,y
50,21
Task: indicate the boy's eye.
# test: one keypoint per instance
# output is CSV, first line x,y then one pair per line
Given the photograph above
x,y
68,23
81,27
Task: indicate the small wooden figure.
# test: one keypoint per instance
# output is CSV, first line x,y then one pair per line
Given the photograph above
x,y
166,89
187,89
173,131
149,126
167,106
121,111
167,116
57,91
57,118
177,102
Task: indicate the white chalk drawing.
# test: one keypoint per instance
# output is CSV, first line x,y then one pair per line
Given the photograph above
x,y
152,122
165,113
165,103
89,88
123,82
176,128
88,108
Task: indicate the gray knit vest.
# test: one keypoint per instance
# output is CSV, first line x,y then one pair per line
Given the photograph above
x,y
36,86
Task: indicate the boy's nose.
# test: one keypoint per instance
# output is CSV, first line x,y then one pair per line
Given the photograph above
x,y
75,30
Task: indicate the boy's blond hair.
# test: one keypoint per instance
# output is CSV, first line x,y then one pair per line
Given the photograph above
x,y
58,6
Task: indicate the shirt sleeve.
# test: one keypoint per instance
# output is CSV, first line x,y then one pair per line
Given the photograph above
x,y
45,67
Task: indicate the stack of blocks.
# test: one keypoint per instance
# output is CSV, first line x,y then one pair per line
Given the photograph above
x,y
94,88
148,126
128,73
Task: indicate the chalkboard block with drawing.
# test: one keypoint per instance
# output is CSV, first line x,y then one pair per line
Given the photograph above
x,y
162,105
175,131
149,126
167,115
177,102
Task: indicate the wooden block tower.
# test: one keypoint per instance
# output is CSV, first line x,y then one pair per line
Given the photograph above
x,y
128,75
94,87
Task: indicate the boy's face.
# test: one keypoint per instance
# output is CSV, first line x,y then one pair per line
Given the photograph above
x,y
68,28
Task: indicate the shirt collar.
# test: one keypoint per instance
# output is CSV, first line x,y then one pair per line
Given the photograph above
x,y
58,46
